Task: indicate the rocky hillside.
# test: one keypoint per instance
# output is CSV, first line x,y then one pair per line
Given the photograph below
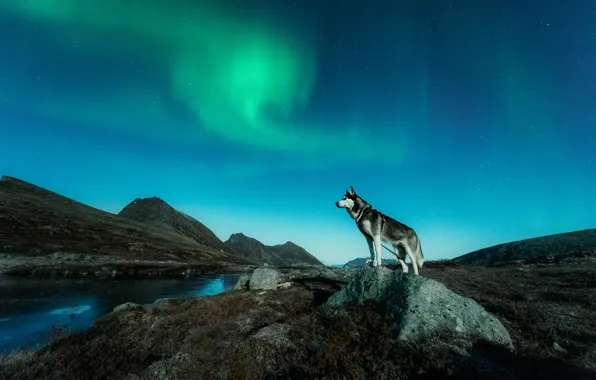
x,y
453,322
294,254
276,255
360,261
36,221
557,247
159,214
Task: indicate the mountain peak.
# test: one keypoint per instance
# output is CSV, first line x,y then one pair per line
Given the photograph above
x,y
288,253
151,200
158,213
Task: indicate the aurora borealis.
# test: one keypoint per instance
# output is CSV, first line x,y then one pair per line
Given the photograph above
x,y
473,123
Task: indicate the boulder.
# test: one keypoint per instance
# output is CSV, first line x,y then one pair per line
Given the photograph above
x,y
242,283
264,279
421,306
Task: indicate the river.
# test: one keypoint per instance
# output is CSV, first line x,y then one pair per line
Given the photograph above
x,y
30,307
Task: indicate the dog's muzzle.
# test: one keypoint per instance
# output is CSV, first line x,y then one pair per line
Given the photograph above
x,y
337,204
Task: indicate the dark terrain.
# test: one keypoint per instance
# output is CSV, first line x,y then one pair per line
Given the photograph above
x,y
542,290
551,248
549,310
35,223
277,255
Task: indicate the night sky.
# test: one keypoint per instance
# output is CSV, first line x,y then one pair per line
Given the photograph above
x,y
474,122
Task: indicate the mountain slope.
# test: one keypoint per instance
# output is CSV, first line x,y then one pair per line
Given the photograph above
x,y
276,255
294,254
158,213
36,221
552,247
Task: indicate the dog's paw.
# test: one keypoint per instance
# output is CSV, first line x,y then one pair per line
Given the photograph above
x,y
368,262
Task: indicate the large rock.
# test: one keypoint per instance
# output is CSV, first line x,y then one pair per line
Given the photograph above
x,y
242,283
264,279
421,306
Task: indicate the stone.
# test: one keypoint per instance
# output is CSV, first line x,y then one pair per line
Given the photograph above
x,y
242,283
264,279
421,306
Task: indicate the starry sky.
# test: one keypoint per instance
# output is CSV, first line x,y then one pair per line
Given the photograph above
x,y
474,122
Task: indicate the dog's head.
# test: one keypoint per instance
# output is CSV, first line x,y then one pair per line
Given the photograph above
x,y
348,200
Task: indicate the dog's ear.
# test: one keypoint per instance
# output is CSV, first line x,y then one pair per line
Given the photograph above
x,y
347,192
352,190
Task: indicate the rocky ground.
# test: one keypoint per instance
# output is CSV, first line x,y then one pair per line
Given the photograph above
x,y
454,321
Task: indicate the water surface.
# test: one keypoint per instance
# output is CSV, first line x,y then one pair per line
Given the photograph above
x,y
30,307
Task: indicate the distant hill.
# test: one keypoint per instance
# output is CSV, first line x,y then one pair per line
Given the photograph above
x,y
360,261
157,213
276,255
36,221
552,247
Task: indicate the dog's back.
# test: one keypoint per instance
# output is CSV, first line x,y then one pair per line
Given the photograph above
x,y
398,231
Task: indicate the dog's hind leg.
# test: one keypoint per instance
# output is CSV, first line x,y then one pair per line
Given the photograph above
x,y
371,250
400,253
412,256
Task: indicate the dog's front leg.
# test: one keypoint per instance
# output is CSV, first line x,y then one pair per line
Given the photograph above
x,y
371,250
377,261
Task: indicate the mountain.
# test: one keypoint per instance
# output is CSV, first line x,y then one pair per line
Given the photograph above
x,y
35,221
360,261
159,214
276,255
294,254
552,247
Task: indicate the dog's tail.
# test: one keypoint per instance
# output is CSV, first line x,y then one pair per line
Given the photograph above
x,y
419,255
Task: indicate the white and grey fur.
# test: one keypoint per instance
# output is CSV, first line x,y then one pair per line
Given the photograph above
x,y
377,227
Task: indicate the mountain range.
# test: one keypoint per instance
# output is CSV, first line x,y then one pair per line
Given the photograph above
x,y
35,221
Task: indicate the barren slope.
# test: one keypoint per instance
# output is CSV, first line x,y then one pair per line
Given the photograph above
x,y
158,213
577,244
36,221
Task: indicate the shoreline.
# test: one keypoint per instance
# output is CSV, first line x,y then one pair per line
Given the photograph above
x,y
68,265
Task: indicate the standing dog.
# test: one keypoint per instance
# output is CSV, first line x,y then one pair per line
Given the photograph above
x,y
376,226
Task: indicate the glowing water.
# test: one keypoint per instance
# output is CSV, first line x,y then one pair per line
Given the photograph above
x,y
31,308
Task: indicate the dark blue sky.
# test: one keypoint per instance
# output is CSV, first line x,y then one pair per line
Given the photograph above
x,y
473,123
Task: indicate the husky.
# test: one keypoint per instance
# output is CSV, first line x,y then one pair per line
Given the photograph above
x,y
377,227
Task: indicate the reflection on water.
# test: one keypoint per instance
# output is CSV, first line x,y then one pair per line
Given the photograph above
x,y
30,307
